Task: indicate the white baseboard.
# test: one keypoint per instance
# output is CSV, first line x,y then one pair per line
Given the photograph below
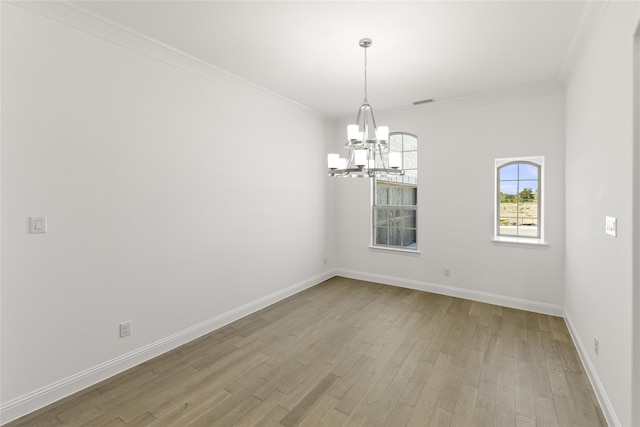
x,y
519,303
44,396
601,395
505,301
37,399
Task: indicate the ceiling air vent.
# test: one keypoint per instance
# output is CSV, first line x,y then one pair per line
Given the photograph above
x,y
424,101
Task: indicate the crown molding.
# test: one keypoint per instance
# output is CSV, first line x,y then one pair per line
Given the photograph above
x,y
88,22
486,98
589,21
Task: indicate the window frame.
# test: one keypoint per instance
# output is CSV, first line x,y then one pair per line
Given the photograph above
x,y
537,161
376,207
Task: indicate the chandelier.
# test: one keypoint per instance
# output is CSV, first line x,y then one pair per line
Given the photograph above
x,y
367,145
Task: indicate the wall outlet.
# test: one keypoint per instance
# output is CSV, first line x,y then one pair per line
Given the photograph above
x,y
125,329
37,224
446,272
324,260
596,345
610,226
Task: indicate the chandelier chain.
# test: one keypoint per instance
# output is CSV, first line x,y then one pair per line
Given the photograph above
x,y
365,76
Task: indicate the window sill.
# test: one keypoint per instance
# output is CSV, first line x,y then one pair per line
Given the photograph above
x,y
520,242
414,252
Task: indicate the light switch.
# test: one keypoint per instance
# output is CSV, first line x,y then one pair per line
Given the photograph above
x,y
610,226
37,224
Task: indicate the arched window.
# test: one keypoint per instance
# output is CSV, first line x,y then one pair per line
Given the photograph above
x,y
519,198
395,198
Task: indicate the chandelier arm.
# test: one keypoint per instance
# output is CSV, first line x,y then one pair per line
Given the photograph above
x,y
359,115
365,127
384,166
373,121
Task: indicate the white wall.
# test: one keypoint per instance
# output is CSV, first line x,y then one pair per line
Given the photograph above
x,y
123,153
169,201
457,146
636,229
599,152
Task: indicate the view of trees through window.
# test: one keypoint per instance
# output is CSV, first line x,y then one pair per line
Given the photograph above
x,y
395,198
519,199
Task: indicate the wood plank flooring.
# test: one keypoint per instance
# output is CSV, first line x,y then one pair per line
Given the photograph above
x,y
353,353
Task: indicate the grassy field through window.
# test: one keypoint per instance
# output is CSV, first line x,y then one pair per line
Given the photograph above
x,y
519,219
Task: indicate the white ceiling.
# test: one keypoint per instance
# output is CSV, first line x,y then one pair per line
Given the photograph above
x,y
308,50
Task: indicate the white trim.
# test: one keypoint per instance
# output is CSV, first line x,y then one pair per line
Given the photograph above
x,y
520,241
601,395
589,21
635,226
81,19
533,159
372,205
51,393
539,160
505,301
395,249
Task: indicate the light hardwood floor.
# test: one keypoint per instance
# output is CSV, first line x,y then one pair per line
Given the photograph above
x,y
350,353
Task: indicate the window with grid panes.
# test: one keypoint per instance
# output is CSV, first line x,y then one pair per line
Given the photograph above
x,y
395,198
519,198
